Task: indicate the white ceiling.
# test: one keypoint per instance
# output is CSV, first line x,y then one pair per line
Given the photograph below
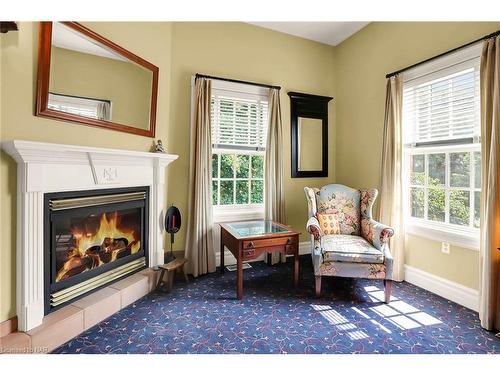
x,y
65,37
331,33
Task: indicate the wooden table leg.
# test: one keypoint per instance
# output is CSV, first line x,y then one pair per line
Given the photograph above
x,y
239,276
185,274
269,258
221,256
296,267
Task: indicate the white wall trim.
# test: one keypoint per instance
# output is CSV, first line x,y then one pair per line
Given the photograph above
x,y
229,259
445,288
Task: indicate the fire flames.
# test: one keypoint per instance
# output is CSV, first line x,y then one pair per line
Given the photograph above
x,y
92,249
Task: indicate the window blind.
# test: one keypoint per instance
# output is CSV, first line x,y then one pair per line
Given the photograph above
x,y
239,121
79,106
443,106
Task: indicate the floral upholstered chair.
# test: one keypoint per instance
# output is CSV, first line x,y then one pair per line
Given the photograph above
x,y
346,241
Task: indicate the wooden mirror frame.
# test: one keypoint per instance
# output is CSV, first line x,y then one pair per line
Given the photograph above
x,y
42,94
308,106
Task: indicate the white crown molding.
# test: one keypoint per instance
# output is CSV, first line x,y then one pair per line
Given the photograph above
x,y
445,288
49,167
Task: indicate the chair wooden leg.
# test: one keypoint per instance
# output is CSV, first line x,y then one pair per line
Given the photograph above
x,y
388,288
318,286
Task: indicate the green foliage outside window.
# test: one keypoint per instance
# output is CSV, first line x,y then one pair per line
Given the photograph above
x,y
227,163
237,179
459,201
257,191
257,166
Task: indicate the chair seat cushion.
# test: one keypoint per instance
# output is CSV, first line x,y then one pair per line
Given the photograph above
x,y
347,248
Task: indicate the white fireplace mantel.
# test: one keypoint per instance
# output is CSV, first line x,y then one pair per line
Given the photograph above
x,y
49,167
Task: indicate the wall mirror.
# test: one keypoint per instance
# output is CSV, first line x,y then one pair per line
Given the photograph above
x,y
86,78
309,132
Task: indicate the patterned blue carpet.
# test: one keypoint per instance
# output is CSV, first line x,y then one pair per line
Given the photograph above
x,y
205,317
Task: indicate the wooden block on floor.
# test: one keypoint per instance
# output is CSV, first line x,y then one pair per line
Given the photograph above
x,y
15,343
98,306
153,277
57,328
132,288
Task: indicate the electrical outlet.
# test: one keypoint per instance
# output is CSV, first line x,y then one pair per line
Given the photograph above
x,y
445,247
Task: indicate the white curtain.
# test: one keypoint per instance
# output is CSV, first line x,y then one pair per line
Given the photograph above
x,y
199,242
391,195
274,187
489,292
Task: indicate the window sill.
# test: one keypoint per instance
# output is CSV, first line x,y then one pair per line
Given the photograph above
x,y
468,239
236,213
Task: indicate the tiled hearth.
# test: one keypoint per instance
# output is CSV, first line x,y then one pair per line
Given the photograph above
x,y
69,321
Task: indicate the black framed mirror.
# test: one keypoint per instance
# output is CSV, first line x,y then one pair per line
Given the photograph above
x,y
309,133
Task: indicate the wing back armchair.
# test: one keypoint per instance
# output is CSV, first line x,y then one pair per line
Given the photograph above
x,y
348,242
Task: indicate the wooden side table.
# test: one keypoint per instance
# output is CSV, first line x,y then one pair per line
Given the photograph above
x,y
177,265
247,240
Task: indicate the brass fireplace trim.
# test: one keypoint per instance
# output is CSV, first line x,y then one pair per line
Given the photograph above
x,y
62,296
68,203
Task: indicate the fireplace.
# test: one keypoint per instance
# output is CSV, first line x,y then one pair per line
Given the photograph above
x,y
46,169
91,239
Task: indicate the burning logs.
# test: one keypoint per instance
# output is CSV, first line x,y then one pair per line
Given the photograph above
x,y
111,249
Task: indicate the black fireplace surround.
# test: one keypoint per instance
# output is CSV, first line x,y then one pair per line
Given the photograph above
x,y
92,238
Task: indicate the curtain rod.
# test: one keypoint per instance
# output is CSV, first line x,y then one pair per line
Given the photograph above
x,y
198,75
492,35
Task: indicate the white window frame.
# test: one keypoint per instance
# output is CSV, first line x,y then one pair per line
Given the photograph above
x,y
222,213
251,210
454,234
443,231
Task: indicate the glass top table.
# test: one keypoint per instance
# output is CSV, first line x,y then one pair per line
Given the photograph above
x,y
247,229
248,240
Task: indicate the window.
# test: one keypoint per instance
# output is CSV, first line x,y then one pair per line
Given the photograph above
x,y
441,131
237,178
86,107
239,132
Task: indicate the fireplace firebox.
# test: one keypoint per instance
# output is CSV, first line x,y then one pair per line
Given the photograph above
x,y
91,239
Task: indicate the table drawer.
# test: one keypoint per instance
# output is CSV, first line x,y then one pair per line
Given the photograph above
x,y
269,242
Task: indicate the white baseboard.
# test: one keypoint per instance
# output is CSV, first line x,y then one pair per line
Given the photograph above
x,y
304,248
445,288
